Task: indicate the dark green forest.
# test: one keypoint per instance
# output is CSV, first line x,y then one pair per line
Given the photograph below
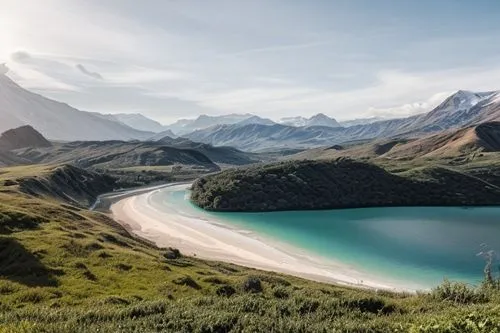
x,y
341,183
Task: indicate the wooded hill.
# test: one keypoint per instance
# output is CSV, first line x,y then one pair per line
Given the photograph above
x,y
342,183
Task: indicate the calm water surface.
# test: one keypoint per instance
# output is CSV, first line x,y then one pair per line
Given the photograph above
x,y
423,245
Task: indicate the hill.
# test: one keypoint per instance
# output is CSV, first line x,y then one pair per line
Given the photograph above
x,y
221,155
25,136
116,154
8,159
343,183
481,138
55,120
66,269
65,183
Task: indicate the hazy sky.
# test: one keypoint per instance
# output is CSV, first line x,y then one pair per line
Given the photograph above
x,y
174,59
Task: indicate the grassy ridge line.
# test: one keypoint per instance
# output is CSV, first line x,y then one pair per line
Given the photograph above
x,y
66,269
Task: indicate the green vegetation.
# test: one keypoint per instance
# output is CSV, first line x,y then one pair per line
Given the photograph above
x,y
66,269
341,183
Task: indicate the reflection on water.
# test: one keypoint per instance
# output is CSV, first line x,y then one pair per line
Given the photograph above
x,y
419,244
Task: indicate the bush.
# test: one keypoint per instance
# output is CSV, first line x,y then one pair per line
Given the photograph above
x,y
225,291
172,253
252,285
187,281
458,292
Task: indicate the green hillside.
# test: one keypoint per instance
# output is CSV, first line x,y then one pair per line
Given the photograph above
x,y
66,269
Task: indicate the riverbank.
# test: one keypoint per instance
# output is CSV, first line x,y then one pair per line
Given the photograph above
x,y
206,238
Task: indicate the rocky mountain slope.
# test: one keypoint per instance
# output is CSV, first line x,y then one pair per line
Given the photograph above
x,y
55,120
476,139
461,109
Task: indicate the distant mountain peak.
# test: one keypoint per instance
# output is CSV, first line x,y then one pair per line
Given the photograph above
x,y
465,99
319,119
322,119
22,137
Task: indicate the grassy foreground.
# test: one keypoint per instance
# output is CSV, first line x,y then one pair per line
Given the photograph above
x,y
65,269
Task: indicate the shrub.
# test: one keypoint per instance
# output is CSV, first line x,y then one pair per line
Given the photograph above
x,y
225,291
252,285
280,293
187,281
458,292
35,295
172,253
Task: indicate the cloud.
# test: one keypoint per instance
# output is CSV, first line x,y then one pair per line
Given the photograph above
x,y
85,71
31,78
21,57
3,69
409,109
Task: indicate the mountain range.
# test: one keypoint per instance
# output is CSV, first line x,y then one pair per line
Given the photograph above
x,y
61,122
453,143
463,108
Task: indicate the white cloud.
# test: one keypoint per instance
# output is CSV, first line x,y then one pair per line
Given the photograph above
x,y
212,61
408,109
33,79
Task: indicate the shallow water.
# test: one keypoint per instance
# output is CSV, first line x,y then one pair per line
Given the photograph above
x,y
422,245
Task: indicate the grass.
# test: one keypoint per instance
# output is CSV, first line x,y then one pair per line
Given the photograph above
x,y
79,271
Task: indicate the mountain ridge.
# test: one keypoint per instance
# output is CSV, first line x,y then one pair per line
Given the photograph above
x,y
56,120
453,112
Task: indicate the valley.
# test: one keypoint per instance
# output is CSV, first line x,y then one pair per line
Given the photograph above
x,y
274,242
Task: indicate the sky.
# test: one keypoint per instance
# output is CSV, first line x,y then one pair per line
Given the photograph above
x,y
171,59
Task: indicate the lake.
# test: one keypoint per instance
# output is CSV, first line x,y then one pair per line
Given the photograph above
x,y
422,245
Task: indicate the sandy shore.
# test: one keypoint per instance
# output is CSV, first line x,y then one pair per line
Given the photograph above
x,y
168,225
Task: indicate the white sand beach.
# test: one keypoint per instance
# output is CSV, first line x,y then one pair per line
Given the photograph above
x,y
209,239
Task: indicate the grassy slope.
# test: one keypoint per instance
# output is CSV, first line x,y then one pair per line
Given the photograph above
x,y
64,269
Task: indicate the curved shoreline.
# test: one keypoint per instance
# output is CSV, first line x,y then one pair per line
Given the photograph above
x,y
214,240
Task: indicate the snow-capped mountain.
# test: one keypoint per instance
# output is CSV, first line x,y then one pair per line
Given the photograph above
x,y
460,109
294,121
322,120
319,119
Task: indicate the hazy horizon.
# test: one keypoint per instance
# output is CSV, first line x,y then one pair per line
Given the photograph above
x,y
171,60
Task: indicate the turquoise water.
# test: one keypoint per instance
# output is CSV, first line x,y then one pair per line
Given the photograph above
x,y
422,245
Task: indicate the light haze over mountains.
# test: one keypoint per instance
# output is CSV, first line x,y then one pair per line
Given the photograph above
x,y
59,121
